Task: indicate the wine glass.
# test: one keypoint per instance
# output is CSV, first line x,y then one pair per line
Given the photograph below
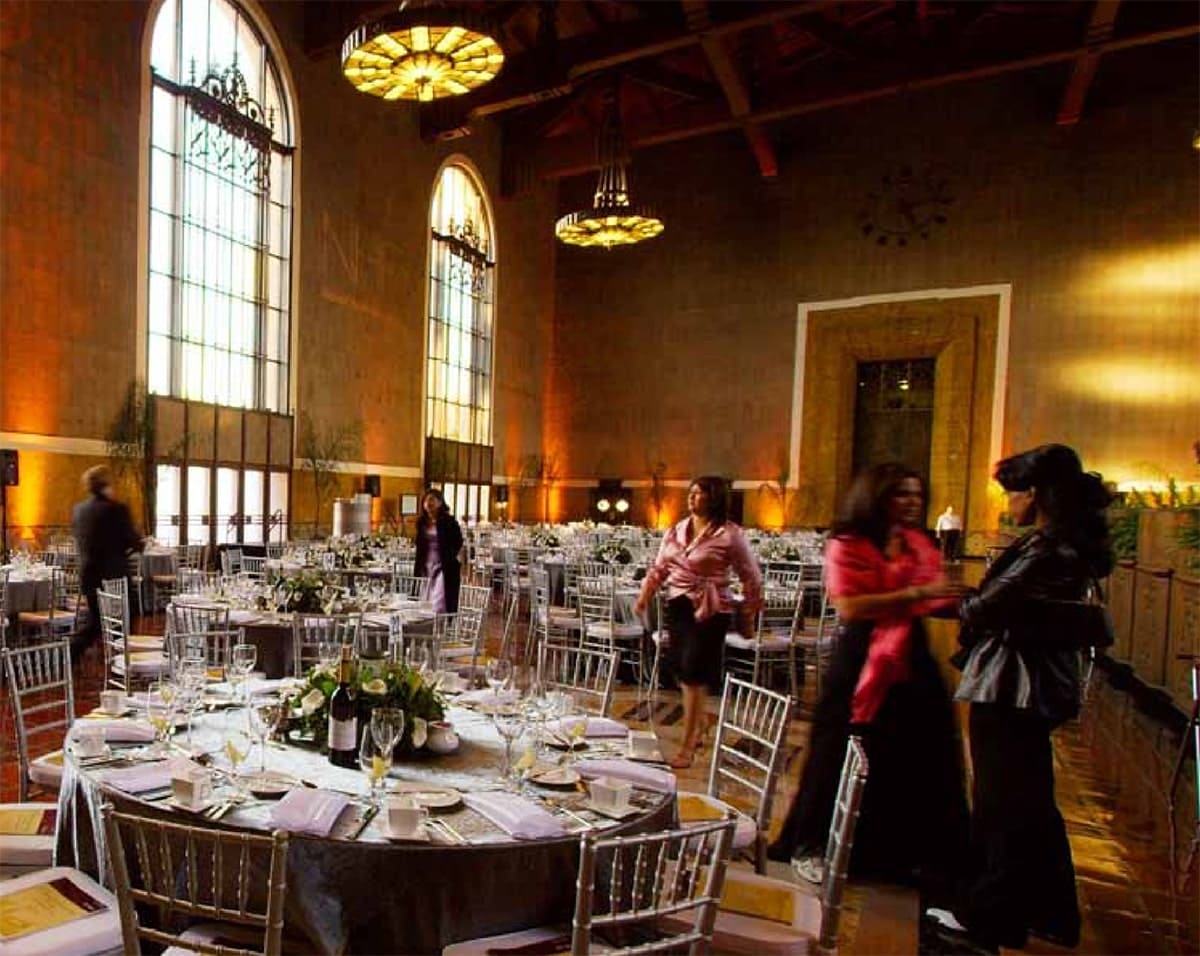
x,y
237,749
387,727
498,674
263,718
376,763
161,702
241,662
510,726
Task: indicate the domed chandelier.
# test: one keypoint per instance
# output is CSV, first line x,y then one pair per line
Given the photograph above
x,y
612,220
423,52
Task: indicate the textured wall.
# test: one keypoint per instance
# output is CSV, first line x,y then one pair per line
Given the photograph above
x,y
683,350
71,77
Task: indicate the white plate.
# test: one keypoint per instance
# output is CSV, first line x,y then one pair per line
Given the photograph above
x,y
419,835
123,712
187,807
611,813
556,777
432,798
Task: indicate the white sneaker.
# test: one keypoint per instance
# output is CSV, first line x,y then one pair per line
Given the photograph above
x,y
811,869
945,918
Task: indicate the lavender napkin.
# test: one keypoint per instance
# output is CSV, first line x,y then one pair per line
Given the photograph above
x,y
515,815
309,811
118,731
649,778
487,696
151,776
596,727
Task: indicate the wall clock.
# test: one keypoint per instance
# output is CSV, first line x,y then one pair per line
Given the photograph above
x,y
906,204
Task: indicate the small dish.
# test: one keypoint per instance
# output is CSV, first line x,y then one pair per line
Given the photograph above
x,y
123,712
419,835
611,812
270,784
204,807
556,777
431,798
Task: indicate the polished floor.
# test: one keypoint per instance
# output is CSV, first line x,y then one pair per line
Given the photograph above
x,y
1113,772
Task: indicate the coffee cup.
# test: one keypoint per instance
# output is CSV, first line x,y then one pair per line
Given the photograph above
x,y
112,701
643,743
192,787
405,817
89,741
611,794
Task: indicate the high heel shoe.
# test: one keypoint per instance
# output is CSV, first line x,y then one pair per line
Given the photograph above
x,y
684,757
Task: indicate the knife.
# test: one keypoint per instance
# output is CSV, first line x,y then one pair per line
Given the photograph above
x,y
368,816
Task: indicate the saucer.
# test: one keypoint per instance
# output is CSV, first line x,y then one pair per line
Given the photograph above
x,y
270,783
125,711
419,835
204,807
611,812
432,798
556,777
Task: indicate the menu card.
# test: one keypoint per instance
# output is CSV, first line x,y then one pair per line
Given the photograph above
x,y
27,822
44,906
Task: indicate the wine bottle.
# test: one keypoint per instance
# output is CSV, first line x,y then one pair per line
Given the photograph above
x,y
343,718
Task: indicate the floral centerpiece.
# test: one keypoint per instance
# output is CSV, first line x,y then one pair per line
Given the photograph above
x,y
777,548
544,537
612,552
375,684
307,592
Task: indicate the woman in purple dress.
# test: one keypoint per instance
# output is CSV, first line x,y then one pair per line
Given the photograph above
x,y
439,540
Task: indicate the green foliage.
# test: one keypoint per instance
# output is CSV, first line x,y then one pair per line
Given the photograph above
x,y
321,450
129,438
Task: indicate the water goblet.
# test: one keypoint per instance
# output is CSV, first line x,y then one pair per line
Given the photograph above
x,y
498,673
387,727
510,726
376,763
241,662
264,718
161,703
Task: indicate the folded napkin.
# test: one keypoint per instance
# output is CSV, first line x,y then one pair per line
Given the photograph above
x,y
242,615
309,811
485,695
264,687
515,815
117,730
596,727
150,776
649,778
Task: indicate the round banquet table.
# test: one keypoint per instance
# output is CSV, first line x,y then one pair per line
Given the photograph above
x,y
369,895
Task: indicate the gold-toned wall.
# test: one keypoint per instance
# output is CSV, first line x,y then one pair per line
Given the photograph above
x,y
682,350
71,87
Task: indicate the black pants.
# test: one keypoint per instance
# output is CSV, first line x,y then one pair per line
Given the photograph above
x,y
913,821
1024,878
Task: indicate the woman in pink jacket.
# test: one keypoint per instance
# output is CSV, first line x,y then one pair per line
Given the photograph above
x,y
693,564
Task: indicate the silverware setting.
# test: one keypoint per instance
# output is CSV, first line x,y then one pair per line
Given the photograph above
x,y
449,831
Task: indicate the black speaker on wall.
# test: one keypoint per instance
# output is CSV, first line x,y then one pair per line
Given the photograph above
x,y
501,494
10,474
371,485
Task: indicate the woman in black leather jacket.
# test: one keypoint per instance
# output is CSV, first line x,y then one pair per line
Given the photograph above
x,y
1021,670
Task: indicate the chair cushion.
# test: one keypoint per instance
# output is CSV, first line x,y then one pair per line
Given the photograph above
x,y
754,917
27,849
47,770
98,932
768,642
516,941
696,808
617,632
141,663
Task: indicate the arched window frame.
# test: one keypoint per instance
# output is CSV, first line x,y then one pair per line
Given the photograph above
x,y
460,339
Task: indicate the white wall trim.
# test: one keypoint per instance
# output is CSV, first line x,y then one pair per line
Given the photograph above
x,y
1002,290
55,444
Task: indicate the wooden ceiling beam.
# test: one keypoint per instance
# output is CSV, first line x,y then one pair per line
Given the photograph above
x,y
733,84
574,156
1099,29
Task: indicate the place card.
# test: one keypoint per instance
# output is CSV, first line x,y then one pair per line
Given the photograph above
x,y
44,906
28,822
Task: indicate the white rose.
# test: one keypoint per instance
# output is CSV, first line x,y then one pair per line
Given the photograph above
x,y
375,686
311,702
420,730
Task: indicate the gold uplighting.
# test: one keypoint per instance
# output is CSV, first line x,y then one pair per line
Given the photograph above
x,y
423,52
1148,380
612,220
1169,269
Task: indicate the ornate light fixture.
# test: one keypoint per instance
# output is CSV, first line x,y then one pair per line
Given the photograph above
x,y
613,220
422,52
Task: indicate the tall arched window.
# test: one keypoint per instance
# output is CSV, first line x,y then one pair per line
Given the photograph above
x,y
458,377
219,273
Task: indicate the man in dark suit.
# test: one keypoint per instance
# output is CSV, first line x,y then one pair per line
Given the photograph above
x,y
104,536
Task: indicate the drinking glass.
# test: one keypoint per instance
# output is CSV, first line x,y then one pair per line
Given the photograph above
x,y
241,662
498,673
264,717
237,749
161,704
510,727
376,763
387,727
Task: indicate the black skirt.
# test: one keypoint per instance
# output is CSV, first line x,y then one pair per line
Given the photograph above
x,y
697,648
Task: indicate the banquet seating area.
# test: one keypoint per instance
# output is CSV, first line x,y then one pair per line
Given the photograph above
x,y
440,475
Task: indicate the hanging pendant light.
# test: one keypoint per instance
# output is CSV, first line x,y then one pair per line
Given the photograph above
x,y
612,220
423,52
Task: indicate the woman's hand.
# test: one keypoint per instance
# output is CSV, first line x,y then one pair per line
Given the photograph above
x,y
639,606
746,620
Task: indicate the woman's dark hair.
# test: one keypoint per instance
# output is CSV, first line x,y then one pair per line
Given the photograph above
x,y
865,509
443,509
717,490
1072,500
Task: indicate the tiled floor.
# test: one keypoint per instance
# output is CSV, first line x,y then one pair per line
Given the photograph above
x,y
1113,768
